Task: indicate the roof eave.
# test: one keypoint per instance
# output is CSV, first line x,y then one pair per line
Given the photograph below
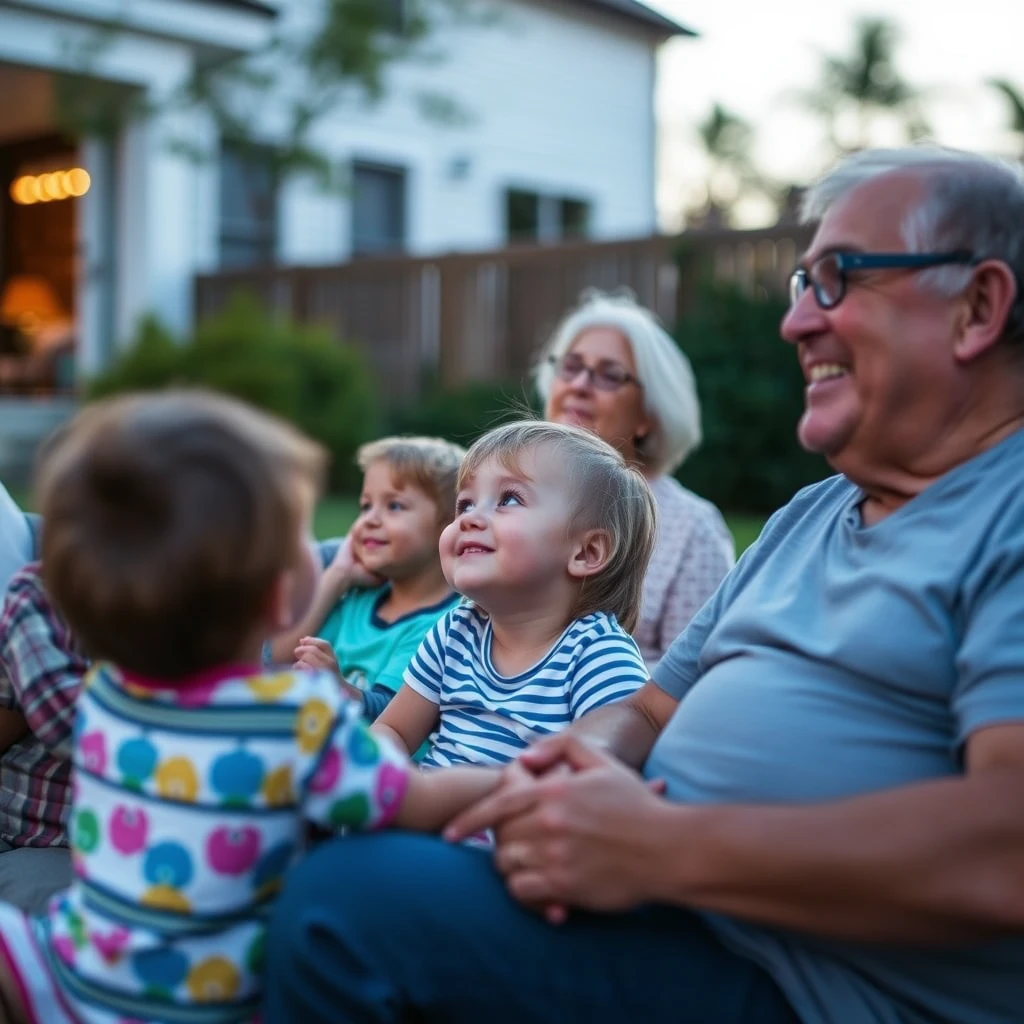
x,y
642,16
254,6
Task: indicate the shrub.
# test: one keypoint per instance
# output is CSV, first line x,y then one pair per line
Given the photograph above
x,y
462,414
751,391
154,360
299,373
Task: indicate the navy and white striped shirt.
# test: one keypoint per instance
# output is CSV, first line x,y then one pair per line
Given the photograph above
x,y
488,718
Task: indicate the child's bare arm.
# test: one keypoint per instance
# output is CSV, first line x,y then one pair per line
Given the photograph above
x,y
12,727
408,720
434,797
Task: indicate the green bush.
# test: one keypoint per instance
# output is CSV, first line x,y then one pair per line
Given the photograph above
x,y
154,360
299,373
751,391
463,414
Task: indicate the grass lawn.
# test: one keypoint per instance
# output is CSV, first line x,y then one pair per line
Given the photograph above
x,y
334,516
745,530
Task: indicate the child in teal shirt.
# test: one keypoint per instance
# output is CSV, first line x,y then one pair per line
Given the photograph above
x,y
384,589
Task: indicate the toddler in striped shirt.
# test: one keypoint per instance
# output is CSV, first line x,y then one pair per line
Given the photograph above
x,y
550,543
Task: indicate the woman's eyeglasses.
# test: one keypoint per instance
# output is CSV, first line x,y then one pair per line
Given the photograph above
x,y
607,375
827,275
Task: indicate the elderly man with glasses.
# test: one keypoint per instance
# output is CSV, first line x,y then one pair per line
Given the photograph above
x,y
831,825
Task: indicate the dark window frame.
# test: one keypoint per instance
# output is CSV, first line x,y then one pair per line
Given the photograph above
x,y
385,241
258,234
556,217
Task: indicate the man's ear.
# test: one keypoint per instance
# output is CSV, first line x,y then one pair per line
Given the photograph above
x,y
590,554
989,299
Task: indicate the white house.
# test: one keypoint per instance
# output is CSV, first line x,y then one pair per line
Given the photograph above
x,y
558,139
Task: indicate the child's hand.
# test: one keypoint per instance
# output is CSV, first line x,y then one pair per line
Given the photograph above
x,y
313,652
347,571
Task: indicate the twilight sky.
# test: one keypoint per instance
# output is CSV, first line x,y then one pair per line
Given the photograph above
x,y
751,55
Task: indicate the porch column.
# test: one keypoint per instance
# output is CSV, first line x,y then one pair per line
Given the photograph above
x,y
156,218
96,259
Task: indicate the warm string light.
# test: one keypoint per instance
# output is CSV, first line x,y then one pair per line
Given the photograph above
x,y
52,187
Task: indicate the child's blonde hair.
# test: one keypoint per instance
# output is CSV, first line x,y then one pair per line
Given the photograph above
x,y
430,464
610,496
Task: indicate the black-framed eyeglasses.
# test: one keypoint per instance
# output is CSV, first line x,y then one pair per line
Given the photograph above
x,y
827,275
607,375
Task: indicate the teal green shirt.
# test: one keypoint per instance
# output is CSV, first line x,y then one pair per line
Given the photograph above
x,y
373,654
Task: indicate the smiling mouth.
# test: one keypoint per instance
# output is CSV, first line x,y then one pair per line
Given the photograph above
x,y
827,371
473,549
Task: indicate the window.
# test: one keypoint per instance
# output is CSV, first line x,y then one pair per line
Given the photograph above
x,y
248,207
535,217
522,216
378,209
574,218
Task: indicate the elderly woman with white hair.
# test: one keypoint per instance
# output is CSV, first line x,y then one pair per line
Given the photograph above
x,y
611,368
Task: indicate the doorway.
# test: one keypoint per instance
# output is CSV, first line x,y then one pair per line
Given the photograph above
x,y
41,183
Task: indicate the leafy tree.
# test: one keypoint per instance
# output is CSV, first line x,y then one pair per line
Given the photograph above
x,y
752,396
1014,105
727,140
859,87
344,58
297,372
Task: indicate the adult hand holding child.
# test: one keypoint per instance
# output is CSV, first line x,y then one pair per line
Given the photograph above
x,y
573,826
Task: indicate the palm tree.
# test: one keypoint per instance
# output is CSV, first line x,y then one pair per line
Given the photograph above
x,y
727,139
1015,104
863,85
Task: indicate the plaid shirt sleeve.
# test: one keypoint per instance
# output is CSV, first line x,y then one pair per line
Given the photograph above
x,y
38,658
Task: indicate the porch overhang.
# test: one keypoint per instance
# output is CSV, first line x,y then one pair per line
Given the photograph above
x,y
204,26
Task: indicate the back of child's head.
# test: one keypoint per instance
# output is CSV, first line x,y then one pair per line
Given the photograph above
x,y
609,495
429,464
170,517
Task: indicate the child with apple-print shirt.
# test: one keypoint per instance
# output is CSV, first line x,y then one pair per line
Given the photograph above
x,y
175,542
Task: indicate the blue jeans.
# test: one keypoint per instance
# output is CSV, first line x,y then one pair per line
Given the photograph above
x,y
31,875
400,927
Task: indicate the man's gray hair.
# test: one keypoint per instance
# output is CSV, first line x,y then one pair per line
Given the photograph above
x,y
971,202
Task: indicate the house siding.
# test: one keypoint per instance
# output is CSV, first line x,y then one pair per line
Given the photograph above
x,y
559,101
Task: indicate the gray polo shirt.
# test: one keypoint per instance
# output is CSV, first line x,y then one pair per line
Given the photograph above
x,y
839,659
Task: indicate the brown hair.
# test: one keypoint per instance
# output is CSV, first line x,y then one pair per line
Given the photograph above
x,y
168,519
430,464
610,496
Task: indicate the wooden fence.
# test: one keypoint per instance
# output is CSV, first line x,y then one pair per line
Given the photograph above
x,y
483,316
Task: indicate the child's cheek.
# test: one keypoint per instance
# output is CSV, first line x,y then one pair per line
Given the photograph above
x,y
446,548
